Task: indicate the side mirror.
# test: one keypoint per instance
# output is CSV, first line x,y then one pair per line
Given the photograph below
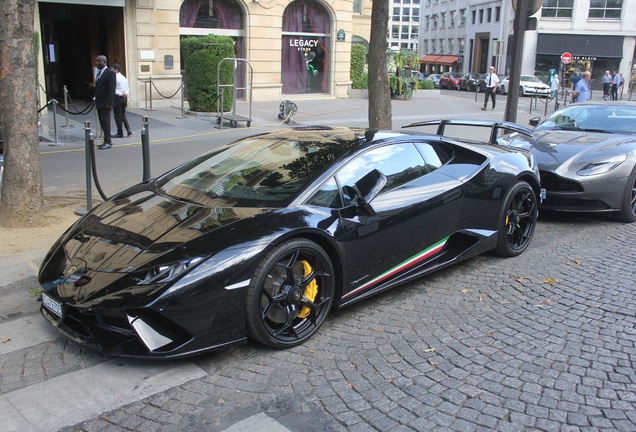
x,y
534,121
369,186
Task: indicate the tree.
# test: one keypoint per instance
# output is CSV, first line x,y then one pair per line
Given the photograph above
x,y
22,201
380,116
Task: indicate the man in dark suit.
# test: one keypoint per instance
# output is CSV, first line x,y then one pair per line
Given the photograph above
x,y
105,83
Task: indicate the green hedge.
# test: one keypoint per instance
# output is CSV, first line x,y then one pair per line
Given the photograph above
x,y
359,78
201,56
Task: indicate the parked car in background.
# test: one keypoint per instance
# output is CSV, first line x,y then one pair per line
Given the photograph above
x,y
449,80
420,76
528,85
586,153
435,78
470,81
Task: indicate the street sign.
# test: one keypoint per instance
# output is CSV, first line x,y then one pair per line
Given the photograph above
x,y
566,57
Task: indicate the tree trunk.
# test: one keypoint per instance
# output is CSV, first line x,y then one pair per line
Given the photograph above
x,y
21,202
380,116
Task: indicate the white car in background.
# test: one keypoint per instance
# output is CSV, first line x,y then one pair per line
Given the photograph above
x,y
528,85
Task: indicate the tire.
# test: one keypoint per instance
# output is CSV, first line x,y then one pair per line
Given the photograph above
x,y
290,294
627,212
503,90
521,93
517,220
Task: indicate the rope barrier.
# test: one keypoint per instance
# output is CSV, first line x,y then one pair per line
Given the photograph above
x,y
165,97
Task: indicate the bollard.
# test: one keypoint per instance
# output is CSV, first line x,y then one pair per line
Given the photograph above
x,y
145,149
66,106
182,100
88,147
55,143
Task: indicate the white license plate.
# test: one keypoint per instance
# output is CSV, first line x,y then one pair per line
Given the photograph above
x,y
53,305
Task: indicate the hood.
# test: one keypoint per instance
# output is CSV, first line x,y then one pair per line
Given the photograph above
x,y
131,231
552,149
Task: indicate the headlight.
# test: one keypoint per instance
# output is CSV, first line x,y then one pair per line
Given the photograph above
x,y
166,272
602,166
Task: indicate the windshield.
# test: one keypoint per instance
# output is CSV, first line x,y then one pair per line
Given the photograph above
x,y
530,78
263,171
593,118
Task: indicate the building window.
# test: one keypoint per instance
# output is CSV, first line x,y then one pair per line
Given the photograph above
x,y
414,33
606,9
428,23
489,19
452,19
395,31
415,15
462,17
451,46
474,15
557,8
481,16
357,6
396,14
498,13
443,20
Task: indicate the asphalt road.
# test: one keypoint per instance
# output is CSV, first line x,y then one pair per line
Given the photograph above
x,y
544,341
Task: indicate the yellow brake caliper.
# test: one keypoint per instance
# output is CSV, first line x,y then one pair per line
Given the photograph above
x,y
311,290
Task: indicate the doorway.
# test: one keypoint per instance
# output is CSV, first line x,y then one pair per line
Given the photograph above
x,y
72,36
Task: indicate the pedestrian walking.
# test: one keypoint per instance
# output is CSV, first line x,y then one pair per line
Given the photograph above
x,y
492,82
121,102
582,91
607,84
554,86
616,80
621,85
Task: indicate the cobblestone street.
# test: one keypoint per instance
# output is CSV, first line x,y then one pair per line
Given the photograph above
x,y
544,341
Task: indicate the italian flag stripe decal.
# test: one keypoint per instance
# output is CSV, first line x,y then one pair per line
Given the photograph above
x,y
427,253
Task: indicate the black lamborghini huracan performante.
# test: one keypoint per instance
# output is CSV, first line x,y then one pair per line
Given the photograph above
x,y
261,238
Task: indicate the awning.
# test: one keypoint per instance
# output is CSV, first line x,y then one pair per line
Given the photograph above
x,y
119,3
429,58
580,45
446,60
443,60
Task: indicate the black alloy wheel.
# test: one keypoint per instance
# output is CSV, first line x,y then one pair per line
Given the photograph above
x,y
518,220
290,295
627,212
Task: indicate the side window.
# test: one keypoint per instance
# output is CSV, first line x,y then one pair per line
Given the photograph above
x,y
327,196
434,156
400,163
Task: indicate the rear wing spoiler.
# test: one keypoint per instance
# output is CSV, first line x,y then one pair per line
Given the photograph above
x,y
494,125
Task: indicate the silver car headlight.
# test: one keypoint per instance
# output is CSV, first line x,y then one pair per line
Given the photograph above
x,y
602,166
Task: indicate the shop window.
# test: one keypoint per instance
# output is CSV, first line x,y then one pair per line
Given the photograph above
x,y
557,8
606,9
305,48
219,14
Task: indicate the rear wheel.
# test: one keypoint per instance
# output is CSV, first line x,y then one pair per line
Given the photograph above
x,y
517,220
628,209
503,90
290,295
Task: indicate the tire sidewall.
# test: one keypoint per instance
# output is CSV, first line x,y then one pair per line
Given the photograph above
x,y
254,325
503,246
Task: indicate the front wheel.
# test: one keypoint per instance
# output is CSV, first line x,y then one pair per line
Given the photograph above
x,y
627,212
290,294
517,220
521,92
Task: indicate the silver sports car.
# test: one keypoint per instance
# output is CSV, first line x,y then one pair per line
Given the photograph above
x,y
586,154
